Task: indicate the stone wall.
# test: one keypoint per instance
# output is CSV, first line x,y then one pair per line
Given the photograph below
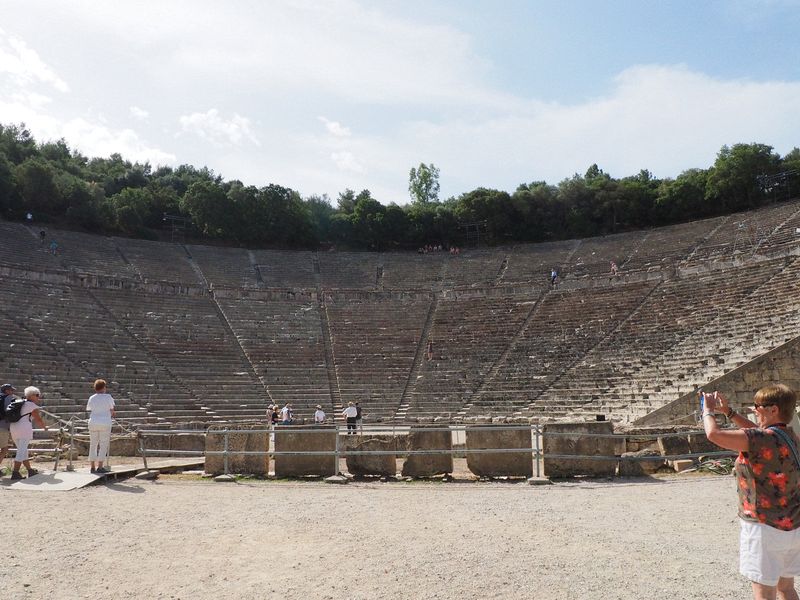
x,y
251,464
511,464
428,465
322,439
780,365
578,444
384,465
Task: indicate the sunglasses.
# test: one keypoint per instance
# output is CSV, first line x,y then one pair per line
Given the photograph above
x,y
756,406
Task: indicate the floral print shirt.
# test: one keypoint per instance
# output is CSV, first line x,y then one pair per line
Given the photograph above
x,y
768,480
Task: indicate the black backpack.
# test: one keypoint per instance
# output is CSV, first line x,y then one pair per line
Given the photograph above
x,y
13,412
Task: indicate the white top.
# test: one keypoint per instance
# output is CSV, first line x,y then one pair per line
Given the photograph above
x,y
351,412
286,413
100,407
319,416
23,429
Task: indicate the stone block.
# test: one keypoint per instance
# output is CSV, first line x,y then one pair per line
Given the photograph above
x,y
698,443
639,468
311,438
428,465
247,441
672,446
501,464
682,464
573,441
372,464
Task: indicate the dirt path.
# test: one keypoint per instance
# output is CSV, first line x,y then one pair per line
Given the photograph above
x,y
674,538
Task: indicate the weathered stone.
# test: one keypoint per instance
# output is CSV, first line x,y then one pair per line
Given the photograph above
x,y
337,479
372,464
321,439
225,478
576,443
674,446
428,465
246,441
637,468
681,464
698,442
539,481
147,475
511,464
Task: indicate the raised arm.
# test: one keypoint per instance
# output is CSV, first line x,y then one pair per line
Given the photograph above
x,y
725,438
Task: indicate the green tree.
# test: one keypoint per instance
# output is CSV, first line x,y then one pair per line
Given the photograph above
x,y
37,187
209,207
131,208
423,183
733,181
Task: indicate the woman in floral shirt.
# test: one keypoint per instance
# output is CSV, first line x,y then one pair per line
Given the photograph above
x,y
768,482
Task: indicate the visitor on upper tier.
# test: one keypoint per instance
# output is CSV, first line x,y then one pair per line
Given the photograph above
x,y
22,431
359,417
614,269
768,477
319,415
350,413
6,397
274,415
42,235
101,413
286,414
553,276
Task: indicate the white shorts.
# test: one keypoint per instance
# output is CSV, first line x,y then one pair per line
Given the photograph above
x,y
766,554
22,449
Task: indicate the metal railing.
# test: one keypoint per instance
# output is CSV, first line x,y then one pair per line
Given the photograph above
x,y
395,431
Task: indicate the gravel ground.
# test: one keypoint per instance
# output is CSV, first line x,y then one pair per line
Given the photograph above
x,y
180,538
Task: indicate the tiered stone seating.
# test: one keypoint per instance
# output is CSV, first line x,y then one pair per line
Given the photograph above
x,y
188,336
374,344
285,269
532,262
407,271
61,338
20,248
565,326
158,261
225,267
348,269
594,255
284,342
468,337
605,377
786,235
476,268
751,324
666,246
87,253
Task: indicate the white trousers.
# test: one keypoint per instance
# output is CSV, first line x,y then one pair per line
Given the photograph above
x,y
99,442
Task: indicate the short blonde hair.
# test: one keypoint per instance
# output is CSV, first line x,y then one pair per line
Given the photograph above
x,y
781,396
31,391
99,384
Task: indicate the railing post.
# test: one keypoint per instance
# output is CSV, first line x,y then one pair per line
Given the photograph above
x,y
225,453
142,449
70,467
536,432
336,455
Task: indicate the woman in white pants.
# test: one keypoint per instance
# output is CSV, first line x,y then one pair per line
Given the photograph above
x,y
101,411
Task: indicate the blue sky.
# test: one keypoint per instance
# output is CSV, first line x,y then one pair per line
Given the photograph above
x,y
323,96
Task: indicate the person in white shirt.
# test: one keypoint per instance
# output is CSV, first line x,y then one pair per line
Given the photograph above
x,y
350,413
22,431
286,414
101,411
319,415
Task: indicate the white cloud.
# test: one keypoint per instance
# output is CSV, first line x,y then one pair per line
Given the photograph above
x,y
24,66
211,127
345,161
139,113
335,128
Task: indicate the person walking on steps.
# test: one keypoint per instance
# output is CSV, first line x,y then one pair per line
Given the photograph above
x,y
350,413
22,430
6,398
101,413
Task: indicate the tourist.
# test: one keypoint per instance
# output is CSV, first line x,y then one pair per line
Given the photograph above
x,y
274,416
101,412
6,398
319,415
614,269
359,417
22,431
350,413
553,276
768,475
286,414
54,247
42,235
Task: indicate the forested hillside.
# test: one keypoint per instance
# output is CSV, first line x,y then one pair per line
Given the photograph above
x,y
58,184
